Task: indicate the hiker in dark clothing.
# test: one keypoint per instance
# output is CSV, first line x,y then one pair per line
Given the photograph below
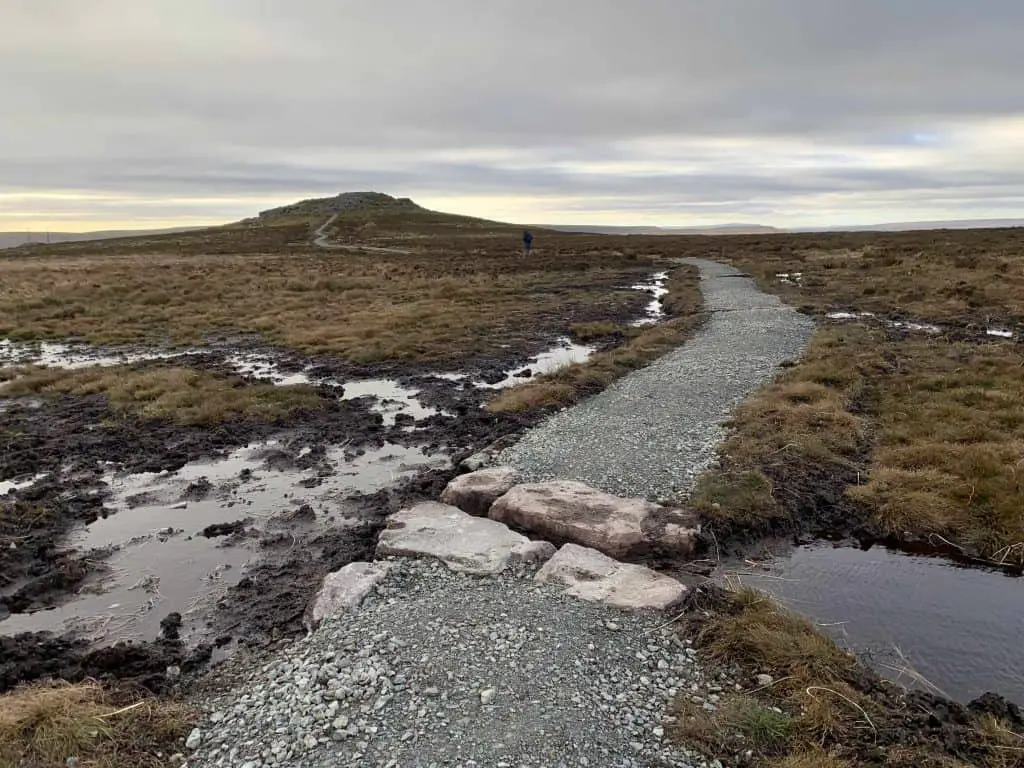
x,y
527,241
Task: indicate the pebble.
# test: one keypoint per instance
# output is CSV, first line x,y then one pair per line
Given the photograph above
x,y
416,672
195,738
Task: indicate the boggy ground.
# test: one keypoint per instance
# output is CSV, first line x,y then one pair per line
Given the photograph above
x,y
463,302
906,425
808,704
464,293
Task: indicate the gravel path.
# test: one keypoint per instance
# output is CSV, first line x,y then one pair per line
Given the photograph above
x,y
443,669
321,239
653,432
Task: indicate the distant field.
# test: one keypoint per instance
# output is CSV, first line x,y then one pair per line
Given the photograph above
x,y
464,287
943,276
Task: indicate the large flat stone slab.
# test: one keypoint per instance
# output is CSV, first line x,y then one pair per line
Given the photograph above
x,y
568,511
597,578
344,589
464,543
477,491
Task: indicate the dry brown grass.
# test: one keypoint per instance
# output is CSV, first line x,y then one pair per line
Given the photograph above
x,y
461,291
927,433
574,382
183,395
41,726
740,722
943,276
949,455
813,684
800,424
597,330
810,758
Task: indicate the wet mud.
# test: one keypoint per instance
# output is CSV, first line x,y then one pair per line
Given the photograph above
x,y
110,521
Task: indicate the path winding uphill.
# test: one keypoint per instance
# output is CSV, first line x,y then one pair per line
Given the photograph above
x,y
653,432
508,653
322,240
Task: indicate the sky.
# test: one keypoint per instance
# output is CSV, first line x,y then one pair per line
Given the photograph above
x,y
153,113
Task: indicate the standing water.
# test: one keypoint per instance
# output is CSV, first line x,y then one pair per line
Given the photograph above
x,y
908,616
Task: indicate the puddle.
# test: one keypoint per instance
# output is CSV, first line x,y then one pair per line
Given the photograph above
x,y
1000,333
908,326
6,486
654,312
160,563
905,325
848,315
265,367
566,353
959,628
392,398
72,356
790,278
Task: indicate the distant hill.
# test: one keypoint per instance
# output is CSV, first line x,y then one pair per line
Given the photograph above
x,y
14,239
909,226
346,201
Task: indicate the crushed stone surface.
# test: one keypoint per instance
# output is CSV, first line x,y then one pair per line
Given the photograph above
x,y
444,669
654,431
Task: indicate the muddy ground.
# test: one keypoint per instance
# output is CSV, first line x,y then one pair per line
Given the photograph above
x,y
76,441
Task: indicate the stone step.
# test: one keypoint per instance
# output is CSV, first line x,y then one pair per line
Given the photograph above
x,y
468,544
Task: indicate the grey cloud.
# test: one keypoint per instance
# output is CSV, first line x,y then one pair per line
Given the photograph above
x,y
235,98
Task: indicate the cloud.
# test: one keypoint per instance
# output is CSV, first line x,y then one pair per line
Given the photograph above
x,y
794,110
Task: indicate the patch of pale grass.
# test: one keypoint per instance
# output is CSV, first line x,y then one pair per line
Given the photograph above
x,y
44,725
183,395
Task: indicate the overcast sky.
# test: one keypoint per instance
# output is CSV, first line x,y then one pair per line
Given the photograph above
x,y
788,112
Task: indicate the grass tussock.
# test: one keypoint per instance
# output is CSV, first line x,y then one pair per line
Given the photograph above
x,y
44,725
183,395
592,331
644,344
949,453
794,436
822,708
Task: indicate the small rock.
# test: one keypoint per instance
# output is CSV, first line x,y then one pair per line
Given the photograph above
x,y
195,738
763,681
176,759
476,492
487,696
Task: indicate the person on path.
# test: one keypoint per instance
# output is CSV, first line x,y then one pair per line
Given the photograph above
x,y
527,241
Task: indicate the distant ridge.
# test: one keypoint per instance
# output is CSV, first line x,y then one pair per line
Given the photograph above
x,y
721,229
910,226
15,239
346,201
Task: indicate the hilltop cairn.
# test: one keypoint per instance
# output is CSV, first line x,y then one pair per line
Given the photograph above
x,y
346,201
